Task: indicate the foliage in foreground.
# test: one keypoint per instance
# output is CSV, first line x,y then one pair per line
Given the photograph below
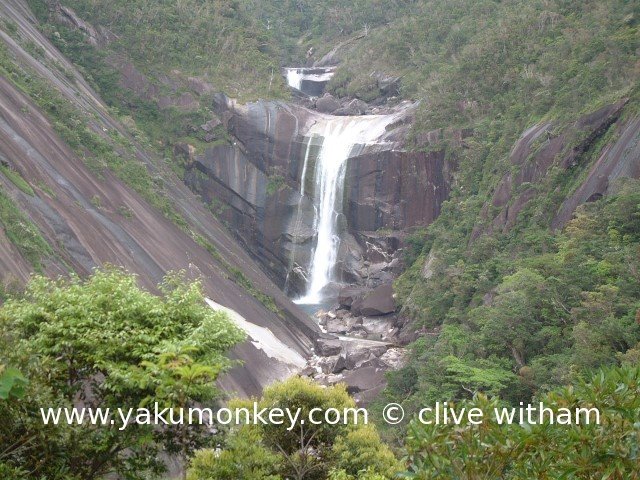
x,y
610,450
104,342
270,452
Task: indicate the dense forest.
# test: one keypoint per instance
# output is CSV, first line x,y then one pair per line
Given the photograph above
x,y
507,299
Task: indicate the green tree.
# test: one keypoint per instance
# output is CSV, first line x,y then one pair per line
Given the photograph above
x,y
609,449
304,452
104,342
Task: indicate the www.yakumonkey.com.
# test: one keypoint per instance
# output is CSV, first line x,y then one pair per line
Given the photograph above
x,y
159,415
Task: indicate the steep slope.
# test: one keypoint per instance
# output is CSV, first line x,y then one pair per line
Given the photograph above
x,y
92,206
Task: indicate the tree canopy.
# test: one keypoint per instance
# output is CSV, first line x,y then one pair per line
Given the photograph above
x,y
104,342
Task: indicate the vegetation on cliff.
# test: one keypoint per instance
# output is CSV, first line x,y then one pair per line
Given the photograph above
x,y
219,41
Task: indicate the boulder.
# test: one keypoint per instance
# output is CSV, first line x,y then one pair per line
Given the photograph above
x,y
394,358
336,326
381,327
357,357
354,107
326,364
378,302
357,353
328,347
348,295
308,371
327,104
363,379
388,85
339,365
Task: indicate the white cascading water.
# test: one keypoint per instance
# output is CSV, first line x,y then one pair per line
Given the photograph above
x,y
299,217
341,135
294,78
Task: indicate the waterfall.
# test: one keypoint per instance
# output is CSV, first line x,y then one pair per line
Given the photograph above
x,y
343,137
294,78
314,78
298,221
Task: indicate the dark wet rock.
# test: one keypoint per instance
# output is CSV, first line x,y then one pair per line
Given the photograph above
x,y
363,379
299,233
339,364
392,188
349,294
377,302
351,260
327,104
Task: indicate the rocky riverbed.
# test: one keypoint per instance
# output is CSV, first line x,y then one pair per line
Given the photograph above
x,y
362,341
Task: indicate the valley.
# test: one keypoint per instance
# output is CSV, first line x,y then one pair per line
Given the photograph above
x,y
381,202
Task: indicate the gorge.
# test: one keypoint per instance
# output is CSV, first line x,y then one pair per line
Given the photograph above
x,y
313,198
214,203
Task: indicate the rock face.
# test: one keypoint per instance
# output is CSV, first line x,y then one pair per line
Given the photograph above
x,y
395,189
540,148
122,228
254,185
622,159
309,81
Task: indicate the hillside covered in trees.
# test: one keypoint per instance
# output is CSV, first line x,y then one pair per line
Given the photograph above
x,y
143,138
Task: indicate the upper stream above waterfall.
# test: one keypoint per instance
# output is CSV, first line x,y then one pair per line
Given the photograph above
x,y
309,80
341,137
